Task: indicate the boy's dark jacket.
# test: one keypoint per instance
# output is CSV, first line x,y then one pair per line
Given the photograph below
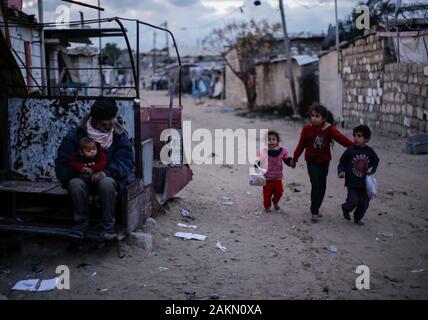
x,y
356,162
120,155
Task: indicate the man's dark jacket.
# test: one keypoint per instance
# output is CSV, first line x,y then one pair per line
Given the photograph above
x,y
120,155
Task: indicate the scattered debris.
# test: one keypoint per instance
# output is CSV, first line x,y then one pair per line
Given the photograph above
x,y
252,214
94,274
190,236
385,234
418,270
390,192
224,109
292,185
185,213
4,270
192,296
229,166
220,247
325,290
332,249
150,225
186,225
35,268
160,269
82,265
36,285
296,190
227,201
392,279
103,290
248,192
293,227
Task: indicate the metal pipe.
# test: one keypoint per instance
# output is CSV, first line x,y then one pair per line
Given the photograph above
x,y
138,57
101,54
42,43
288,61
129,50
85,4
29,73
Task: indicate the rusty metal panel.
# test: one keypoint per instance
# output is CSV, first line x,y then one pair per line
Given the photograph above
x,y
176,179
37,127
154,120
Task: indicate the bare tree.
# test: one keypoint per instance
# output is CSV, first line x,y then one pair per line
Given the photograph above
x,y
252,42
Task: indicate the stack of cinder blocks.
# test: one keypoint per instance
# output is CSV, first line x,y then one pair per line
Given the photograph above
x,y
363,66
405,101
389,97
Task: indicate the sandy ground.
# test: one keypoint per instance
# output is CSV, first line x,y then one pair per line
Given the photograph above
x,y
280,255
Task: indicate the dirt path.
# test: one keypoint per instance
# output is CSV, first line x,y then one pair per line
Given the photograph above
x,y
278,255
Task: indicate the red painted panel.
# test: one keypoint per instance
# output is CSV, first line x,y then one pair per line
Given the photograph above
x,y
154,121
177,179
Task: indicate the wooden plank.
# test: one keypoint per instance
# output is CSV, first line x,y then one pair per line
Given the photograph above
x,y
21,186
403,34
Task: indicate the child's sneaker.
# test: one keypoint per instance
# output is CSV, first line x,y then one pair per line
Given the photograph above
x,y
359,222
268,210
314,218
277,207
346,215
108,236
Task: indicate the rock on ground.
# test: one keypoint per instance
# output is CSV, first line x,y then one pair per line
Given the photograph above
x,y
142,240
150,225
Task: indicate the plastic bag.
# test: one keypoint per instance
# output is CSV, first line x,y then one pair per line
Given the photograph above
x,y
371,186
258,178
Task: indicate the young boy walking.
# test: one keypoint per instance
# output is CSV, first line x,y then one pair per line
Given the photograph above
x,y
358,161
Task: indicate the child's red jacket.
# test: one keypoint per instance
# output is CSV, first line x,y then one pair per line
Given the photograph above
x,y
316,142
78,162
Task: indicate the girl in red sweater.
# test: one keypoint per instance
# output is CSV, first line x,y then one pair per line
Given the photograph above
x,y
316,138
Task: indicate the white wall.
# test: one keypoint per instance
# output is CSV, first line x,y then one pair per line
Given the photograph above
x,y
331,84
18,35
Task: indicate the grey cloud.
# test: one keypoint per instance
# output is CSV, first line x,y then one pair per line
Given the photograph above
x,y
184,3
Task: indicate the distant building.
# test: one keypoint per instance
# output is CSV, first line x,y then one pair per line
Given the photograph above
x,y
272,87
22,32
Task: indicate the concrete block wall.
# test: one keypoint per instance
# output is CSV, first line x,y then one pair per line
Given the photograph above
x,y
362,72
389,97
405,100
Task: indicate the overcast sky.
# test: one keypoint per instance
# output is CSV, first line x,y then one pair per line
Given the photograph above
x,y
192,20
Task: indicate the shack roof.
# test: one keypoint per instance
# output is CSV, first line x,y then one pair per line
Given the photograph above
x,y
81,35
301,60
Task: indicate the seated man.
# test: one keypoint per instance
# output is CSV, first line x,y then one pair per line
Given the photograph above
x,y
101,126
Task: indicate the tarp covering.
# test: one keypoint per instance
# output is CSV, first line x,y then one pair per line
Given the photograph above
x,y
412,49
